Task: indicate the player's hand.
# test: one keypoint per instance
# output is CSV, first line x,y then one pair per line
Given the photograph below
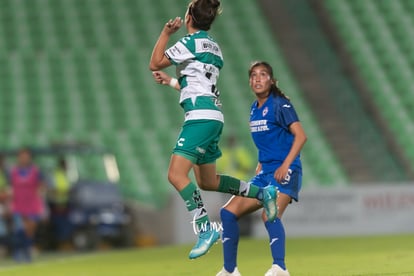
x,y
173,25
161,77
281,173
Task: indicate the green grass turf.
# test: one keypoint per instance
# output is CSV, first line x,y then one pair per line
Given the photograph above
x,y
382,255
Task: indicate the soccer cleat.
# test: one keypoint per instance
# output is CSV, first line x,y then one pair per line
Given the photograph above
x,y
224,272
205,240
276,270
270,194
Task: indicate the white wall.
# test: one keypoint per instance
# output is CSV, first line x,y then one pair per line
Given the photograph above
x,y
353,210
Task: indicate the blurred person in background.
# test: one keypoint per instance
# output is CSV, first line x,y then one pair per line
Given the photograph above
x,y
4,210
58,201
198,60
27,204
279,138
235,160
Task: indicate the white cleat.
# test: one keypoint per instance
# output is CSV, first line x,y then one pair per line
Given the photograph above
x,y
224,272
276,270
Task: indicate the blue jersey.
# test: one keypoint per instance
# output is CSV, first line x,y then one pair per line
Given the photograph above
x,y
269,127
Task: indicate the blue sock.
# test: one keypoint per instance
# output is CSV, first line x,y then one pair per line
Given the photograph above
x,y
277,241
230,239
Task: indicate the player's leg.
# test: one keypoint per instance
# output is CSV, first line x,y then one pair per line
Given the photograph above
x,y
178,176
210,181
184,157
235,208
192,144
289,190
30,227
276,232
267,194
18,238
178,171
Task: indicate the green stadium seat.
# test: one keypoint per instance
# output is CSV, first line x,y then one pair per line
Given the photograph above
x,y
389,69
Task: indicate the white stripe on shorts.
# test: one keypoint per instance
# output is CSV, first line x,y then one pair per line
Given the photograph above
x,y
204,114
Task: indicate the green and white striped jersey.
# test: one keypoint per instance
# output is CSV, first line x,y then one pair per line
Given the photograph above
x,y
198,60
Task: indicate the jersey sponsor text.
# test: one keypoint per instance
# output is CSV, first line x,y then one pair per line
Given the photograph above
x,y
258,126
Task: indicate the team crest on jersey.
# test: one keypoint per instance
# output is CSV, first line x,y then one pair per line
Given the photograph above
x,y
265,110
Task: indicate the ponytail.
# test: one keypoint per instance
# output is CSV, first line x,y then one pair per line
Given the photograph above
x,y
278,92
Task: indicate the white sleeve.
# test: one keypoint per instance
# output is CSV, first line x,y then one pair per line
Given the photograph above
x,y
178,53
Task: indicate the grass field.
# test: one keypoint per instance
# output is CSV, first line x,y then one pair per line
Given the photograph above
x,y
384,255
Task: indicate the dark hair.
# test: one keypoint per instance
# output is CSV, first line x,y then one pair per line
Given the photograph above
x,y
203,13
273,88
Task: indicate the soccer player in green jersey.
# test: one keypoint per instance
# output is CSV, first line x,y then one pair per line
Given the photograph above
x,y
198,60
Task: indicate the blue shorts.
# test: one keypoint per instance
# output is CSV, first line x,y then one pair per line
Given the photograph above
x,y
290,186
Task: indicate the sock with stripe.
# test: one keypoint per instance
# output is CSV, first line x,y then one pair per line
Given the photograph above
x,y
192,198
234,186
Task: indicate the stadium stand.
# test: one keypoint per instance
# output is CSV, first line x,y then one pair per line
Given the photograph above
x,y
343,95
75,70
379,36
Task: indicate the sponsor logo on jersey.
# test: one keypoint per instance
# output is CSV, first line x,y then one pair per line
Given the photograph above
x,y
185,39
265,110
180,142
176,50
200,150
258,126
210,46
204,45
173,52
286,105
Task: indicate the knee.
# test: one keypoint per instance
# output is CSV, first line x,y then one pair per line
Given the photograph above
x,y
170,177
173,177
210,184
264,217
204,186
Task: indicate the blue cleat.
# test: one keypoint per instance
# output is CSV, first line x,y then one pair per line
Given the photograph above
x,y
270,194
205,241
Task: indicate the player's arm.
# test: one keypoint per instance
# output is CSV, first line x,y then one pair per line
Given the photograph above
x,y
299,140
158,59
165,79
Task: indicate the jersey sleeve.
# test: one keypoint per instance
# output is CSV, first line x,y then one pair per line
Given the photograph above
x,y
286,113
179,52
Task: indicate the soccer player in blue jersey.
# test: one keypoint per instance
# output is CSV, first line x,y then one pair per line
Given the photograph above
x,y
198,60
279,138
